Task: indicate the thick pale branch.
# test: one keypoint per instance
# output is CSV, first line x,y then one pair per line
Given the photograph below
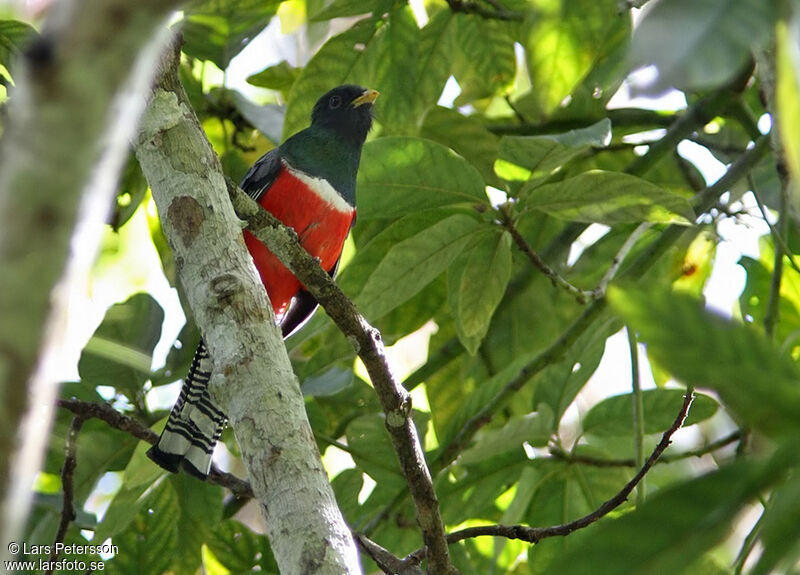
x,y
367,342
253,382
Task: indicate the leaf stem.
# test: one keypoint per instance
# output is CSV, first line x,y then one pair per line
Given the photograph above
x,y
638,412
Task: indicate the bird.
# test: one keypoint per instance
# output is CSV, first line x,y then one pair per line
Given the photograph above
x,y
309,183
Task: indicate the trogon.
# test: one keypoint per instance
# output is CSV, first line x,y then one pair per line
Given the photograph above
x,y
309,183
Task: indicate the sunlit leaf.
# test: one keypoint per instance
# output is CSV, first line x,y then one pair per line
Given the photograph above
x,y
564,39
609,198
477,281
400,175
751,376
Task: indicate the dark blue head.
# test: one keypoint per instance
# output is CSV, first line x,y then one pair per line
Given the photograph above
x,y
347,110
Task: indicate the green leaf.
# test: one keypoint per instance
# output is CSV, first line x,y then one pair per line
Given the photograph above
x,y
558,384
700,44
533,428
280,77
780,531
217,30
692,518
150,541
14,36
609,198
477,282
267,119
564,40
329,383
467,136
542,154
403,175
787,94
132,190
342,59
120,351
486,61
614,415
372,450
412,264
700,348
200,507
139,481
396,73
342,9
436,46
239,549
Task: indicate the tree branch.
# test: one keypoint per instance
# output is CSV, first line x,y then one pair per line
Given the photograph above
x,y
252,382
367,342
536,534
105,412
67,486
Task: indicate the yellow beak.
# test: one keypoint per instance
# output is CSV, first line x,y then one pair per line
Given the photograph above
x,y
367,97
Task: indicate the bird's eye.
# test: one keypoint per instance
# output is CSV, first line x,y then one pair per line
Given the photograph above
x,y
335,102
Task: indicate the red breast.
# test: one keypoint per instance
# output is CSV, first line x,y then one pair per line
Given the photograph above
x,y
321,218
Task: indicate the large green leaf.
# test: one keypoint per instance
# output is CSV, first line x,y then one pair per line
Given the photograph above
x,y
412,264
564,40
200,506
402,175
540,155
239,549
752,377
614,415
342,59
279,77
217,30
341,9
780,531
701,44
436,46
477,282
120,351
14,36
691,518
467,135
609,198
533,428
396,73
148,544
486,62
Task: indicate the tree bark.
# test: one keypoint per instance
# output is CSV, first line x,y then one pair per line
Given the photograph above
x,y
253,380
59,159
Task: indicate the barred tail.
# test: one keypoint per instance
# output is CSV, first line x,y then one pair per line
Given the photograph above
x,y
194,424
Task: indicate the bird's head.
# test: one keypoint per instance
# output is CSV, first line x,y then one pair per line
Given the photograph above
x,y
347,110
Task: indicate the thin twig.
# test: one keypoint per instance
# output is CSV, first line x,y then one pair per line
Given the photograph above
x,y
733,437
386,560
616,263
68,487
536,534
581,296
103,411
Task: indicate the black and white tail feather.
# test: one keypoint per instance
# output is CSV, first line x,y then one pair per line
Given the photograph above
x,y
194,424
